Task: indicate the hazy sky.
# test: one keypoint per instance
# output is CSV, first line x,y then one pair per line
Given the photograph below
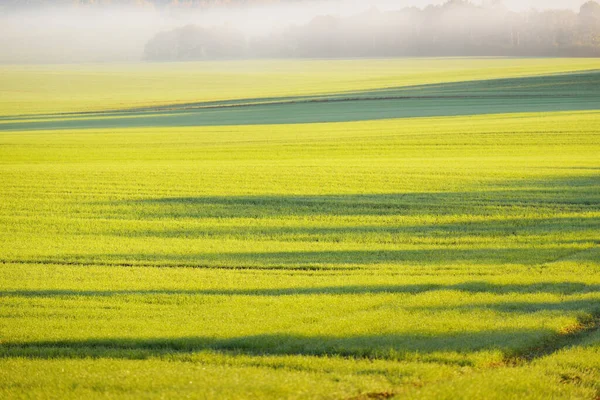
x,y
513,4
95,35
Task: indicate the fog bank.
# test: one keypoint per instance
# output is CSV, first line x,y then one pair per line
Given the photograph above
x,y
65,31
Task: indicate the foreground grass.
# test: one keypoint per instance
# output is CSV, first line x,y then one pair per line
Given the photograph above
x,y
438,250
108,331
449,257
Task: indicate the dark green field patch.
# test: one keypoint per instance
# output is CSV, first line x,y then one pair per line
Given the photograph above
x,y
568,92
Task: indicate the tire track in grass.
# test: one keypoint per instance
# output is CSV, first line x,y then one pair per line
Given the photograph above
x,y
569,336
373,396
572,255
178,265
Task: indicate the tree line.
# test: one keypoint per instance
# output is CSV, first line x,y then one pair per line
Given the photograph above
x,y
455,28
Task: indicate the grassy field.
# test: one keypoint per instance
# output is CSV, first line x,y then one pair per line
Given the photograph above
x,y
425,229
559,92
63,88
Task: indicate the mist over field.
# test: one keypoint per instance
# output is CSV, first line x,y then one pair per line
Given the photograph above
x,y
58,31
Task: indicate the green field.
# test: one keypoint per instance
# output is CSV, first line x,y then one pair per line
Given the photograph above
x,y
301,229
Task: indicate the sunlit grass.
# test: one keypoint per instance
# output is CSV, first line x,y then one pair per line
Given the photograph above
x,y
450,257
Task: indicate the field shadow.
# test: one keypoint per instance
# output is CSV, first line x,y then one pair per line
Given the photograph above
x,y
333,260
498,211
558,288
568,194
385,346
389,233
515,345
586,306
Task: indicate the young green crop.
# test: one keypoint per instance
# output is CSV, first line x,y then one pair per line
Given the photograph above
x,y
36,89
444,257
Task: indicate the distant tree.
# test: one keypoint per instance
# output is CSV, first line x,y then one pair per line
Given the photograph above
x,y
195,43
589,21
454,28
591,9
